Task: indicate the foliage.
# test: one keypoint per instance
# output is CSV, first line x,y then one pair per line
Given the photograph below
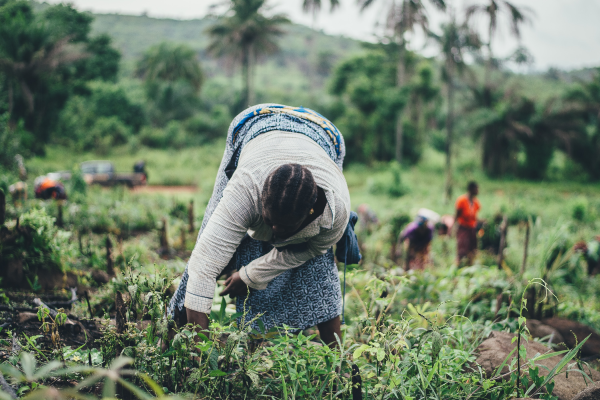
x,y
245,33
172,79
38,243
389,184
43,64
367,106
103,119
12,141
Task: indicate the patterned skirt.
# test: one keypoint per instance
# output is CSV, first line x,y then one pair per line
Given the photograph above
x,y
300,297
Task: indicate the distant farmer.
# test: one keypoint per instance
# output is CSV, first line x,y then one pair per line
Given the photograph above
x,y
467,207
419,234
591,254
279,204
46,188
368,218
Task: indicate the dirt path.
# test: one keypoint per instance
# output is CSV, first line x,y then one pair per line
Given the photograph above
x,y
165,189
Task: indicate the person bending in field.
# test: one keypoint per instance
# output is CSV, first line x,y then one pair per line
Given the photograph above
x,y
279,204
419,234
467,207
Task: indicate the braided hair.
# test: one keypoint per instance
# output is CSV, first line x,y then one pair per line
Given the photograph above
x,y
289,192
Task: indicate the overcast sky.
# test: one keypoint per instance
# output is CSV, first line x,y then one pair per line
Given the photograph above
x,y
565,33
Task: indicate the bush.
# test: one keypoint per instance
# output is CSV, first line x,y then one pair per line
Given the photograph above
x,y
580,209
209,126
173,135
12,141
389,184
106,133
83,114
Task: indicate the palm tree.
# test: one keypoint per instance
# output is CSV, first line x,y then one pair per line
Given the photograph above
x,y
29,60
313,7
456,39
170,63
493,10
402,18
172,79
245,33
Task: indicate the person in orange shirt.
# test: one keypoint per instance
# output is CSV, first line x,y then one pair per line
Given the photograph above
x,y
467,207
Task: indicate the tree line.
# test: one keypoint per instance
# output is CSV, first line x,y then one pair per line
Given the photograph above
x,y
60,84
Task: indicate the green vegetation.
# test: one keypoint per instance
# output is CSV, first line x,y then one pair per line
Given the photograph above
x,y
76,87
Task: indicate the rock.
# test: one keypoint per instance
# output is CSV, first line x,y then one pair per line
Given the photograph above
x,y
100,277
540,330
26,317
570,330
591,393
497,346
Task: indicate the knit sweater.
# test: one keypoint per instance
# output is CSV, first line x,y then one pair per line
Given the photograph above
x,y
239,212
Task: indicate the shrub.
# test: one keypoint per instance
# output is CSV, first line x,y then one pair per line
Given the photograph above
x,y
389,184
209,126
580,209
106,133
173,135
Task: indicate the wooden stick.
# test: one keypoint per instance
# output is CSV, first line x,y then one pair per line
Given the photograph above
x,y
191,216
182,238
87,299
59,217
6,387
525,249
503,229
164,240
110,266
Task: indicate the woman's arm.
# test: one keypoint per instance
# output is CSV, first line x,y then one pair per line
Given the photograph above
x,y
263,270
219,240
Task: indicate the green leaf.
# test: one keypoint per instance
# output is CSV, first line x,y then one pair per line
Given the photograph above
x,y
222,310
380,354
358,352
217,372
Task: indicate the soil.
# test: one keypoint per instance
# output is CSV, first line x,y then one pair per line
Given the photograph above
x,y
21,317
494,350
573,333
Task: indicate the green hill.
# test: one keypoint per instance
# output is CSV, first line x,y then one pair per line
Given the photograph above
x,y
302,48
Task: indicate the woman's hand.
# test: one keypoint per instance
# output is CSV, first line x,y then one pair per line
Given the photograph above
x,y
234,286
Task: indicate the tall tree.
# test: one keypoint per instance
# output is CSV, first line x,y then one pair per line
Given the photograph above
x,y
172,78
44,58
454,41
314,7
493,10
245,33
404,17
167,62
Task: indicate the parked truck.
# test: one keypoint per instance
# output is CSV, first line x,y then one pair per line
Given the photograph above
x,y
103,173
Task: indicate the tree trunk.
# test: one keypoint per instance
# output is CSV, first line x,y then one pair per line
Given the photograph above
x,y
526,248
449,138
400,72
191,216
2,207
110,266
250,78
59,217
503,229
245,77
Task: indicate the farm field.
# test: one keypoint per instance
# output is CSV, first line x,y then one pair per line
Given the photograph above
x,y
391,339
113,121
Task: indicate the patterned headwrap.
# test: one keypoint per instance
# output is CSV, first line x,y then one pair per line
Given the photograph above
x,y
298,112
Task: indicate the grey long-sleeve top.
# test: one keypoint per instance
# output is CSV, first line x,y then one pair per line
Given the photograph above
x,y
240,212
